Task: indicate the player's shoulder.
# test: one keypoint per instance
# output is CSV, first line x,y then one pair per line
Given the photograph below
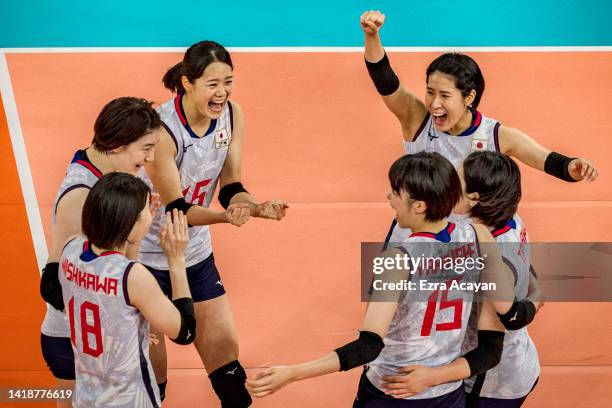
x,y
167,108
139,281
234,106
72,201
138,271
482,232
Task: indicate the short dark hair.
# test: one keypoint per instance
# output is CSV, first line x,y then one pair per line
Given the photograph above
x,y
112,208
427,177
497,180
196,59
123,121
464,70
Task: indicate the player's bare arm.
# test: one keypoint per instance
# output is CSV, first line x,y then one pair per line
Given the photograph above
x,y
517,144
165,177
231,175
409,110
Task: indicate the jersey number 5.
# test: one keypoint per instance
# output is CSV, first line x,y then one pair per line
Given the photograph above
x,y
87,329
432,305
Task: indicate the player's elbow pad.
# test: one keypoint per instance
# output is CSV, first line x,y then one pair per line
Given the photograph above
x,y
188,322
361,351
488,353
50,287
520,315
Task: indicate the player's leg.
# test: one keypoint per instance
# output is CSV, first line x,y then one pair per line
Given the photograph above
x,y
217,344
59,356
157,353
159,361
216,339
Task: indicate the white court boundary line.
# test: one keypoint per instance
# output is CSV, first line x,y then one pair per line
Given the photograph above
x,y
52,50
23,165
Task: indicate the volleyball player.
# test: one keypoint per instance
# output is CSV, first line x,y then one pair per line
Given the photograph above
x,y
491,184
425,188
126,133
200,147
447,121
111,300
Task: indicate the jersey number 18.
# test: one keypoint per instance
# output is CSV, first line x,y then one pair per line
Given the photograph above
x,y
95,329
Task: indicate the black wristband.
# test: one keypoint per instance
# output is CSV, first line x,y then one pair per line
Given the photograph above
x,y
188,322
385,80
557,165
180,204
228,191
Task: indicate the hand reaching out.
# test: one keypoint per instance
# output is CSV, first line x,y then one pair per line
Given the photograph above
x,y
269,381
272,210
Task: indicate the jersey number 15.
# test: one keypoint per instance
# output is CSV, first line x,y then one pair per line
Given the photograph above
x,y
445,303
199,192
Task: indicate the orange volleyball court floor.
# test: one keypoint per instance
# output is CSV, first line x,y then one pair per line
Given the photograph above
x,y
318,136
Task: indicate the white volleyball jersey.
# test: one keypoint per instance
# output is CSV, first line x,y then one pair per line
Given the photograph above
x,y
81,173
481,135
110,337
519,367
199,161
429,326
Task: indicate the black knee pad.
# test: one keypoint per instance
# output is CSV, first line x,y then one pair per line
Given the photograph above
x,y
162,390
229,384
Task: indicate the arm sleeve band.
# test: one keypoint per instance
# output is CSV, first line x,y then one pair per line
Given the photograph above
x,y
385,80
50,287
228,191
361,351
180,204
488,353
188,322
520,315
558,165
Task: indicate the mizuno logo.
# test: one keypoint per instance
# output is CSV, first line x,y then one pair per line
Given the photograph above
x,y
188,334
513,318
219,283
232,372
186,147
